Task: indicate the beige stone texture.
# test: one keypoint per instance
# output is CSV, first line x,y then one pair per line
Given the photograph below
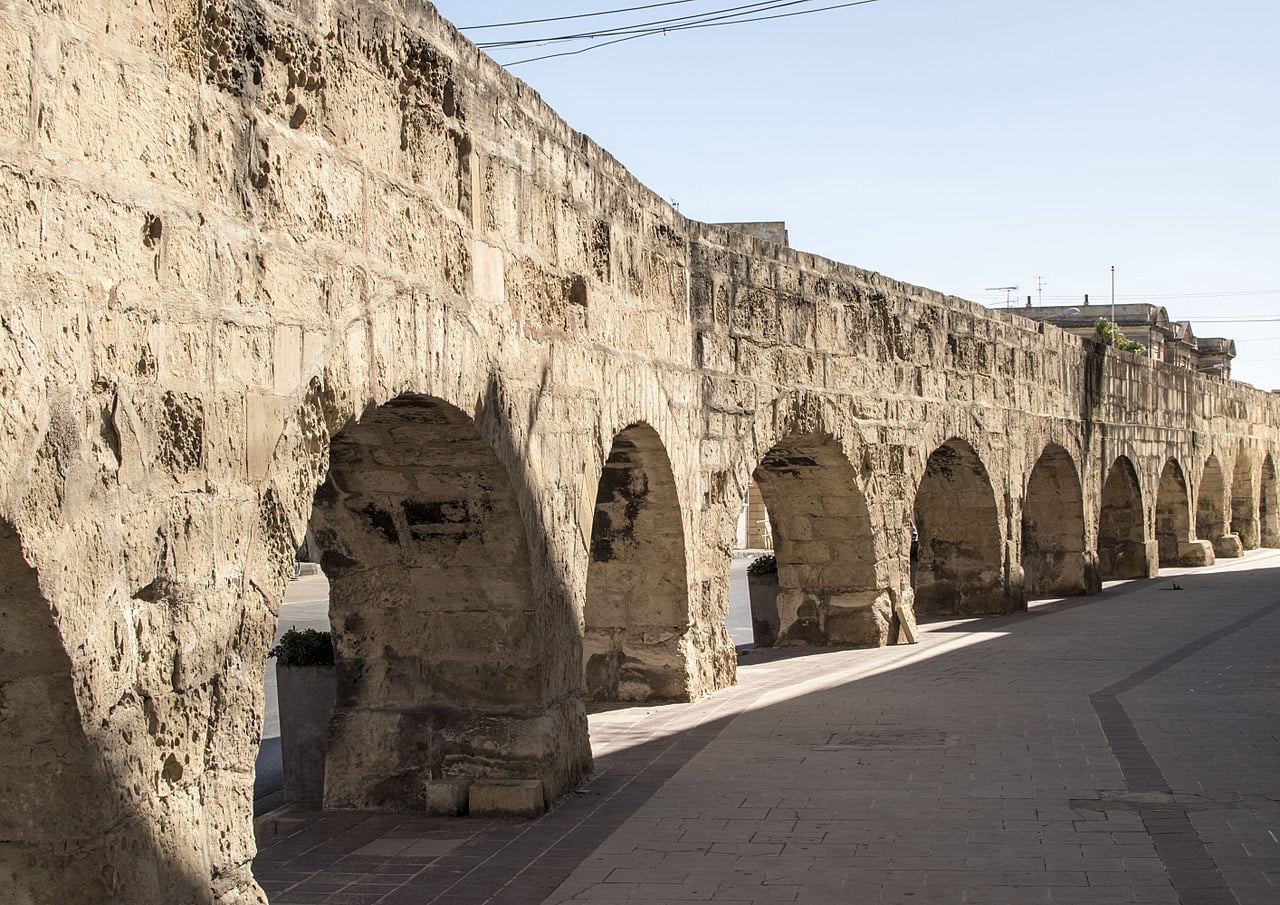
x,y
506,798
280,265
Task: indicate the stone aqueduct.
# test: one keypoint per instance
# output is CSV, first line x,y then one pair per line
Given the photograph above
x,y
324,263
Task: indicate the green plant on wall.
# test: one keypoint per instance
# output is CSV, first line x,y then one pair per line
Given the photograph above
x,y
305,648
763,565
1105,330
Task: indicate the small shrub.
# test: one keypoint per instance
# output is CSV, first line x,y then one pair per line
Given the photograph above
x,y
763,565
1105,329
305,648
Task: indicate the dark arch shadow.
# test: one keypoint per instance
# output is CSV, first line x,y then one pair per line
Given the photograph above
x,y
636,612
1122,547
1244,511
439,671
959,571
1173,520
829,591
75,826
1053,548
1268,505
1211,502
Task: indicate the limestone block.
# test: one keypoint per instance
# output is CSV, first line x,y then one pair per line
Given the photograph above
x,y
264,425
311,194
242,355
507,798
408,232
15,84
448,797
119,117
1195,553
1152,558
715,352
1228,546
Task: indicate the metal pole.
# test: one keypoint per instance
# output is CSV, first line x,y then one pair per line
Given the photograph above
x,y
1114,340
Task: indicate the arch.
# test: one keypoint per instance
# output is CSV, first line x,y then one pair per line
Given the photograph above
x,y
960,566
636,613
1122,547
56,806
1173,522
829,587
1268,506
1244,511
1053,547
1211,502
440,669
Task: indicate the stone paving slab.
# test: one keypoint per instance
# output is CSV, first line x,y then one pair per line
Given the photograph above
x,y
1119,748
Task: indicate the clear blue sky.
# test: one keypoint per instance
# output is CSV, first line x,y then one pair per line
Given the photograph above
x,y
963,144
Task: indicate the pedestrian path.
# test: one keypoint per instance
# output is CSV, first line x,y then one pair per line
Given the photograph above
x,y
1117,748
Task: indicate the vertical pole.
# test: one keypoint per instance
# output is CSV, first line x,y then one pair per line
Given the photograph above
x,y
1114,339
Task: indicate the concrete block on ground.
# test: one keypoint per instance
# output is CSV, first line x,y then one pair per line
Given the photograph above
x,y
507,798
447,797
1229,546
1195,553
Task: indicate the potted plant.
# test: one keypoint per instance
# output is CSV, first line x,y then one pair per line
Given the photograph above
x,y
762,583
306,686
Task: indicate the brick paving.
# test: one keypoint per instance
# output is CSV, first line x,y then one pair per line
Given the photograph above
x,y
1119,748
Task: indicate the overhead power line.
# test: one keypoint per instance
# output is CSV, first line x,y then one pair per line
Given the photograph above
x,y
1236,320
709,20
655,25
1215,294
607,12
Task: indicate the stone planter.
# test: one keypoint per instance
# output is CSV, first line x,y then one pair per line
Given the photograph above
x,y
764,608
306,695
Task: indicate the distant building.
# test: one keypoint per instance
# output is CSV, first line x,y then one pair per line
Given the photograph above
x,y
1169,341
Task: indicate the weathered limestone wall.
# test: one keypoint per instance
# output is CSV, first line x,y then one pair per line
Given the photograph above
x,y
254,251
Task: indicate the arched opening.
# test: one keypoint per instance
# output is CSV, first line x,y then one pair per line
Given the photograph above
x,y
441,666
1173,522
637,606
1244,513
1268,509
55,802
1053,548
959,569
1122,548
1211,503
829,592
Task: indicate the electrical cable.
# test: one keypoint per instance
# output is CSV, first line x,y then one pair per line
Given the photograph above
x,y
607,12
656,25
687,27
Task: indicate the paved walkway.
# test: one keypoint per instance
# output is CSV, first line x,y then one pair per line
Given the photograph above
x,y
1119,748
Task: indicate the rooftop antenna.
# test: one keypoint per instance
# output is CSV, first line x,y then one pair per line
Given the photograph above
x,y
1008,293
1039,292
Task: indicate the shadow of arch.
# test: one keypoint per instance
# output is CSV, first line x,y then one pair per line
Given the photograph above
x,y
432,604
1173,517
74,828
1244,512
1268,505
1053,548
830,590
636,613
959,571
1211,502
1122,547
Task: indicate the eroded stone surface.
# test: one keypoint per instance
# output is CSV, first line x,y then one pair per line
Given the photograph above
x,y
273,265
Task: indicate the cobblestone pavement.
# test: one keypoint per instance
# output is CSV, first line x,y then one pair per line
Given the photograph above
x,y
1118,748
